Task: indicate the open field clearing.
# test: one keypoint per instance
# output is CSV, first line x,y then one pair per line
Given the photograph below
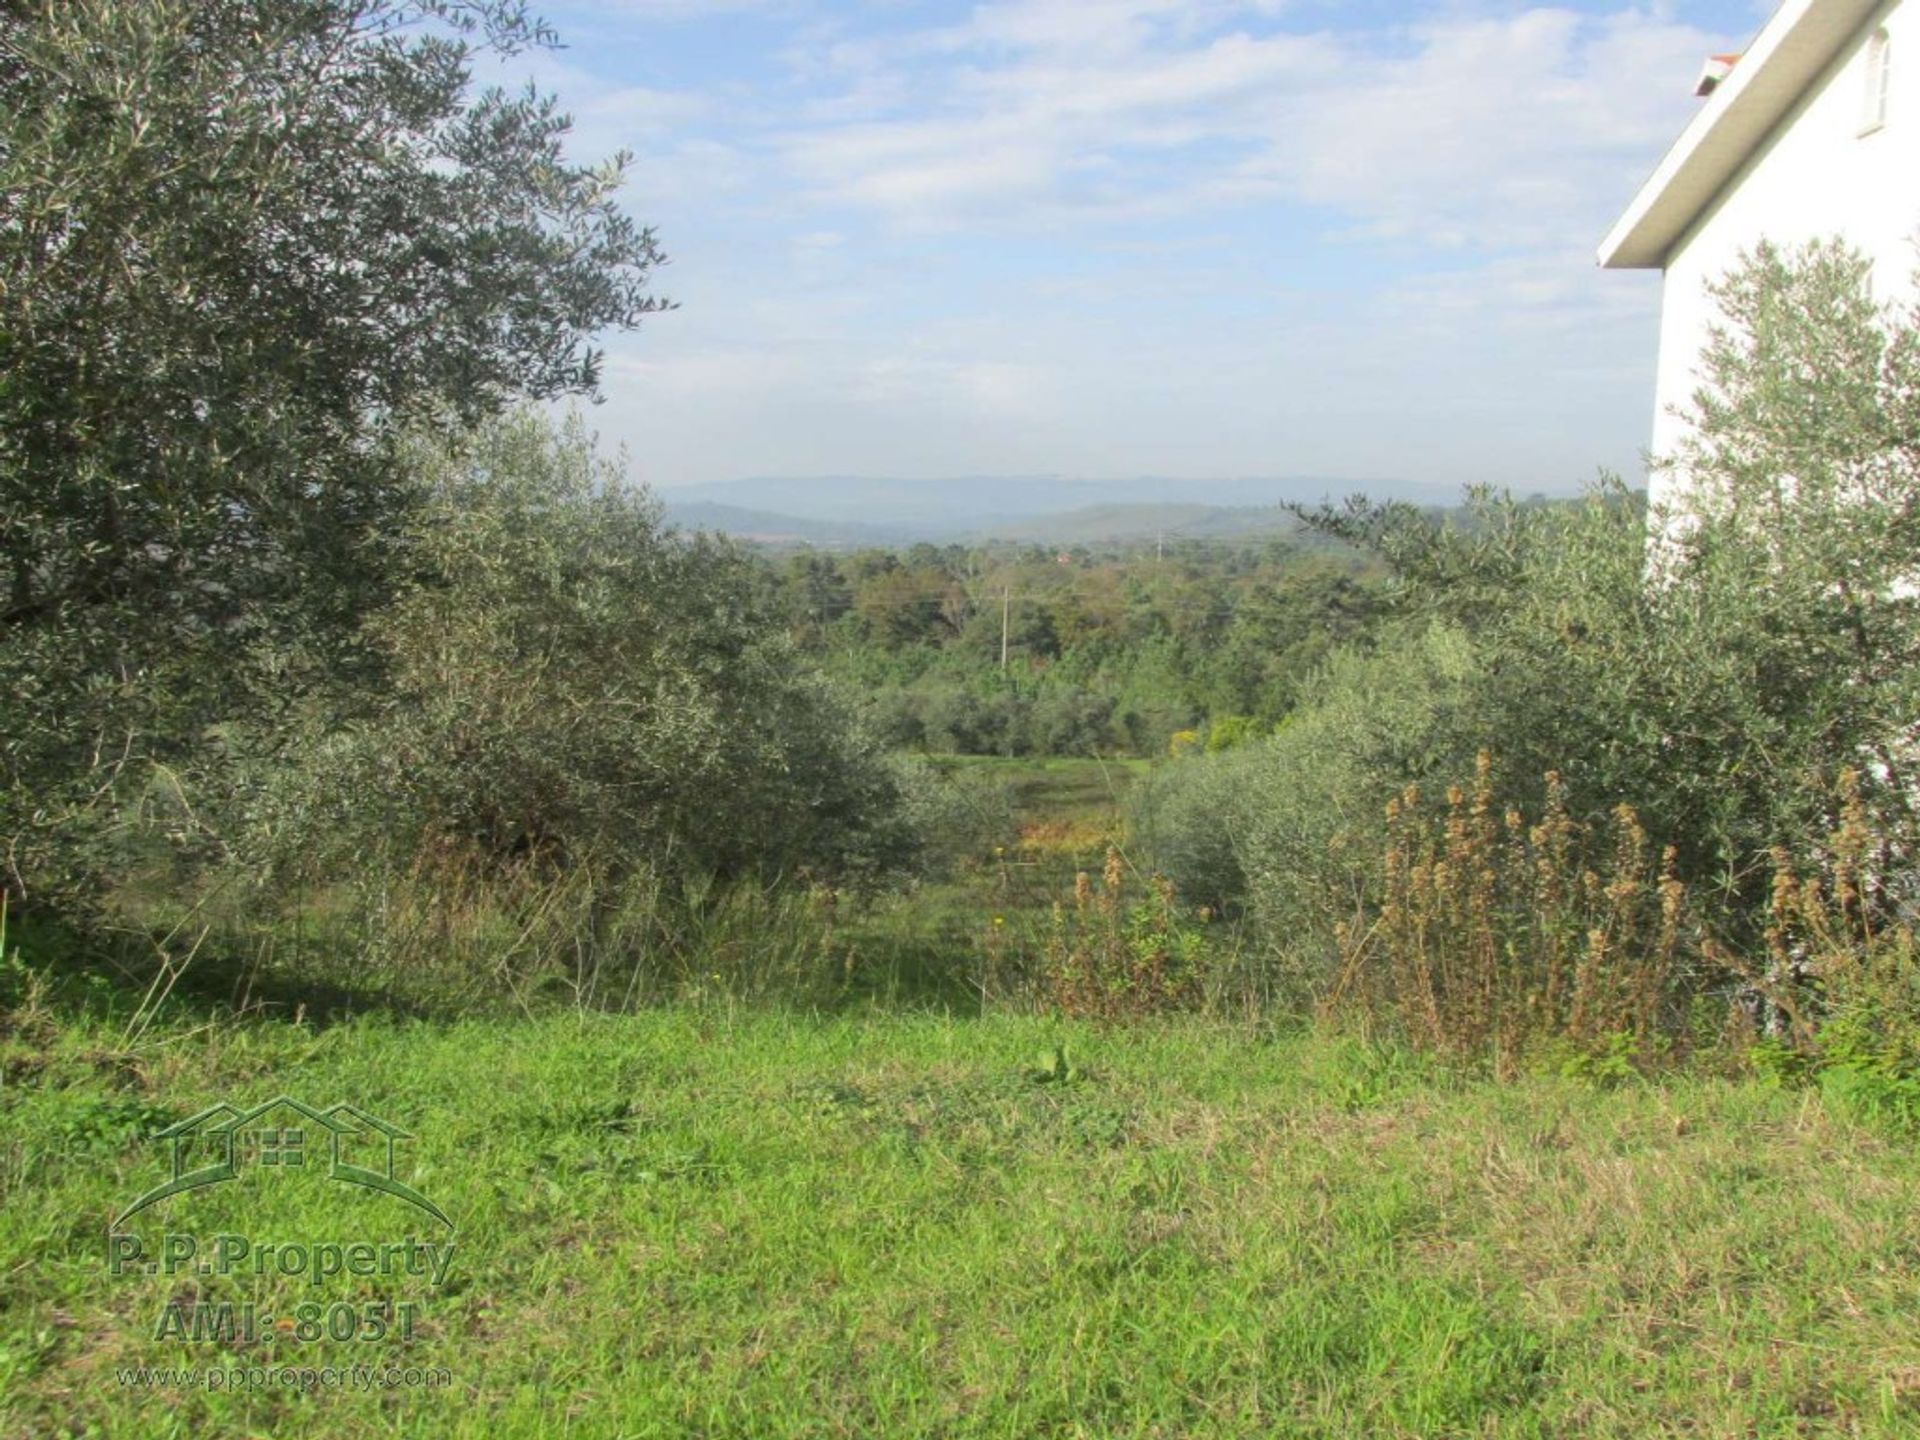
x,y
752,1224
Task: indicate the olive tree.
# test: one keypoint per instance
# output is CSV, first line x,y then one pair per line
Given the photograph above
x,y
244,244
1717,665
570,685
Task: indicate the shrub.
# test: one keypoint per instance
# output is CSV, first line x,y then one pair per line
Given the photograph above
x,y
1069,721
1116,959
1282,826
955,814
1227,731
247,245
898,717
1770,639
1189,818
963,723
1495,936
569,685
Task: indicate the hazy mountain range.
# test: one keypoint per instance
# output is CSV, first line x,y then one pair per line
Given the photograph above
x,y
835,510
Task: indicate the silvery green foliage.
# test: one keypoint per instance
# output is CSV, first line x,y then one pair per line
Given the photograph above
x,y
1287,828
1718,678
569,684
243,243
1788,565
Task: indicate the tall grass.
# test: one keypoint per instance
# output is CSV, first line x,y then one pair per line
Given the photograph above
x,y
1841,983
599,938
1500,938
1113,955
1496,934
447,929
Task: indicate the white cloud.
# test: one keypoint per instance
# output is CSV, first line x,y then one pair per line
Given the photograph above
x,y
1047,237
1466,130
1493,133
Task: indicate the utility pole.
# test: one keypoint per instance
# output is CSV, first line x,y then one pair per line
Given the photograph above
x,y
1006,600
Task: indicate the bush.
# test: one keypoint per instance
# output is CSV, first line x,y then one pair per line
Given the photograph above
x,y
1772,642
961,723
957,813
1282,827
246,247
1227,731
1190,818
1769,640
898,717
1070,721
568,685
1771,653
1495,936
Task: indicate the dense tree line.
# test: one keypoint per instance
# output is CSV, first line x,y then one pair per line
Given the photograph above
x,y
1028,650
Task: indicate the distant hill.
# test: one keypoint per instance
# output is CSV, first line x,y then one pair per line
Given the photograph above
x,y
1091,525
770,528
856,509
1097,523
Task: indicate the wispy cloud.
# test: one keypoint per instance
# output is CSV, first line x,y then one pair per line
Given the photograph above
x,y
1461,131
1105,235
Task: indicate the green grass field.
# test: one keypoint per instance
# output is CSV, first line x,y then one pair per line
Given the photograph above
x,y
916,1211
696,1222
931,945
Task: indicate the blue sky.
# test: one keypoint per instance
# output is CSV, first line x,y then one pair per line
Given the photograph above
x,y
1345,238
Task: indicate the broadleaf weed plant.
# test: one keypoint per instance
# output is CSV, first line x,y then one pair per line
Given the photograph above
x,y
1113,954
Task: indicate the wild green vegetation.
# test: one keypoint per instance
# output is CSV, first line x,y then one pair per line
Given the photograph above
x,y
741,1223
1085,651
1743,686
1435,974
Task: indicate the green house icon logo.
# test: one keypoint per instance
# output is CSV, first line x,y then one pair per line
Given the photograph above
x,y
283,1134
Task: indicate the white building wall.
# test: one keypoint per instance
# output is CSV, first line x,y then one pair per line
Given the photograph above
x,y
1816,175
